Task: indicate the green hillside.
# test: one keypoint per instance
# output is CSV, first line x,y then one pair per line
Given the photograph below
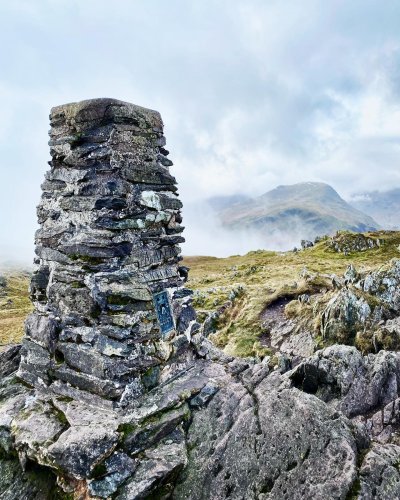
x,y
242,287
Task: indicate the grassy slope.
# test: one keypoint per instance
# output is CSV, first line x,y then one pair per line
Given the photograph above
x,y
263,275
266,276
14,307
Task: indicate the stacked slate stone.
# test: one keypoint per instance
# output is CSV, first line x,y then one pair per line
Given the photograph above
x,y
107,245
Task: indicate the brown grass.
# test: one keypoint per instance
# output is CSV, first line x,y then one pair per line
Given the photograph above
x,y
14,307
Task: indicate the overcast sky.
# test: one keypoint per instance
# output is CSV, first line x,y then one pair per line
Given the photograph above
x,y
253,93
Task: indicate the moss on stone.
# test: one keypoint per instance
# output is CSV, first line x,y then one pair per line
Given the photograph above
x,y
77,284
99,470
61,417
119,300
94,261
126,429
355,490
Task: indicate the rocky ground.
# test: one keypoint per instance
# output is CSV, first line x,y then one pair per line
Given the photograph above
x,y
306,417
224,428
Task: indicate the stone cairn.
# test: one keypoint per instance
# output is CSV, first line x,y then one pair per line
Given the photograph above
x,y
107,255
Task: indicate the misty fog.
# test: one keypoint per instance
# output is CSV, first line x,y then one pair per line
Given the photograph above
x,y
205,235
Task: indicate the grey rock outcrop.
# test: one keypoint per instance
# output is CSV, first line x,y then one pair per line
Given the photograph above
x,y
363,308
379,474
347,242
268,440
348,381
344,315
306,244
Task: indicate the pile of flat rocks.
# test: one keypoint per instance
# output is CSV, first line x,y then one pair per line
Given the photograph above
x,y
107,250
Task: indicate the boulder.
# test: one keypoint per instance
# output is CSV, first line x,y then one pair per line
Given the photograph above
x,y
275,442
80,448
348,381
344,315
306,244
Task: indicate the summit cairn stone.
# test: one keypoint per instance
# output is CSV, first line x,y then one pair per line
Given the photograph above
x,y
107,254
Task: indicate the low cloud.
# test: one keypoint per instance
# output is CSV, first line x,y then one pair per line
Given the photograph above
x,y
205,235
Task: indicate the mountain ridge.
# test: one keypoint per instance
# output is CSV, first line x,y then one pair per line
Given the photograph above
x,y
308,208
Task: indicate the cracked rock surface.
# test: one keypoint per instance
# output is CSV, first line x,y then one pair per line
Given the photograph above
x,y
255,434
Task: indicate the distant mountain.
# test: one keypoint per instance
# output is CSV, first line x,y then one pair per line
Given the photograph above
x,y
383,206
302,210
